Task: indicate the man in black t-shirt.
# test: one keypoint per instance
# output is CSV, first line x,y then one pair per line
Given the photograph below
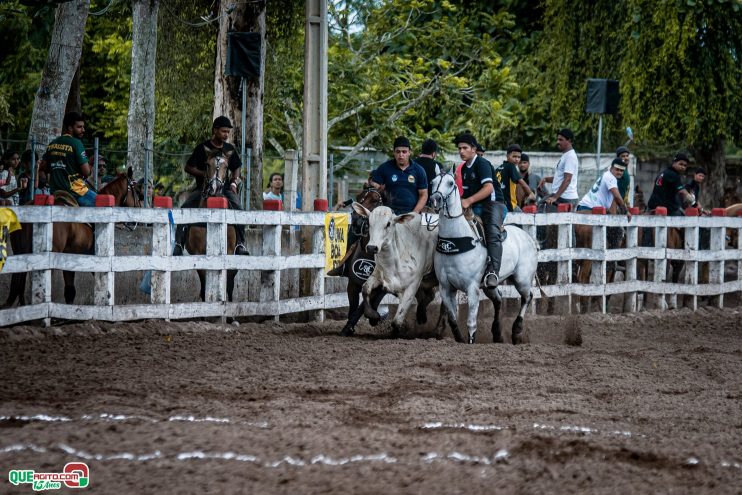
x,y
483,194
427,161
694,186
197,167
668,188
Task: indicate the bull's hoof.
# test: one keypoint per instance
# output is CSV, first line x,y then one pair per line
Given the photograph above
x,y
347,331
396,330
422,316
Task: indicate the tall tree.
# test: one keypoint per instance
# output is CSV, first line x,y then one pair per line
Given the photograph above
x,y
242,17
64,56
142,93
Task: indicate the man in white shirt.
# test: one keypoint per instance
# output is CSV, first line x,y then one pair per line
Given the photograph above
x,y
605,191
564,180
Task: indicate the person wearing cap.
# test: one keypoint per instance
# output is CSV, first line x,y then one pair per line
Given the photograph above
x,y
624,183
564,180
480,150
482,193
197,166
426,159
405,181
531,178
668,188
694,186
509,178
605,191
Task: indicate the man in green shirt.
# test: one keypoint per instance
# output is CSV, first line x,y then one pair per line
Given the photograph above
x,y
67,163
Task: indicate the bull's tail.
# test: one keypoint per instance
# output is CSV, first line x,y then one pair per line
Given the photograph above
x,y
543,294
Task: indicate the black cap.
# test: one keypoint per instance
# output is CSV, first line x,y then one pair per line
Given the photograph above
x,y
680,157
480,148
621,150
567,133
524,158
429,147
466,138
402,141
618,163
513,147
220,122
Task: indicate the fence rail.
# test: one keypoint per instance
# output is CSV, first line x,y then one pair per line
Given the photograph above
x,y
104,264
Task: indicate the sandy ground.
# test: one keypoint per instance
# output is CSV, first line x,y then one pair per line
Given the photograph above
x,y
647,403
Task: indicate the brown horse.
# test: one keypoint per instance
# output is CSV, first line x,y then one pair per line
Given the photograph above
x,y
213,187
360,264
69,237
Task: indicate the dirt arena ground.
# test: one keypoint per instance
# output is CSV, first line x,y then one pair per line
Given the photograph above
x,y
647,403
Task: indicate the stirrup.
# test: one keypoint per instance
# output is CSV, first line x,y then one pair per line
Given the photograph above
x,y
491,279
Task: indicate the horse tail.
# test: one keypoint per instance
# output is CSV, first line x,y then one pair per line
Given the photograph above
x,y
543,294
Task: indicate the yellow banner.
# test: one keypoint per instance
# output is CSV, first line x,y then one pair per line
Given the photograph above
x,y
8,224
336,238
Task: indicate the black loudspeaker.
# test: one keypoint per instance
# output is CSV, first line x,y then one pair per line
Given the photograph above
x,y
243,55
602,96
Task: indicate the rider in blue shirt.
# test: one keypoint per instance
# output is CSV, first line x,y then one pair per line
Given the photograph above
x,y
404,181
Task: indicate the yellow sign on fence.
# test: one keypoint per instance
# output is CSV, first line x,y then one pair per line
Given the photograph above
x,y
336,238
8,224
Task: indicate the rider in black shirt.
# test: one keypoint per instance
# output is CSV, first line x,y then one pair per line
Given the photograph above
x,y
669,190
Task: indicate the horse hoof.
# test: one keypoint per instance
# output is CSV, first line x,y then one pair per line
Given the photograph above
x,y
472,337
371,314
347,331
517,338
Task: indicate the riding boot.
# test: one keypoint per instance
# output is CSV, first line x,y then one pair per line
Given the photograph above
x,y
239,232
180,236
493,216
340,269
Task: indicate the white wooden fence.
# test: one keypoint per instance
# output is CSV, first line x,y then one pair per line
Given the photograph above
x,y
104,263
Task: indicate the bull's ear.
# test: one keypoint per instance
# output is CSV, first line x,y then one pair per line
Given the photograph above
x,y
360,209
406,218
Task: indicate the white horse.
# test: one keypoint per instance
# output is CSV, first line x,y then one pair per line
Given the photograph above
x,y
461,257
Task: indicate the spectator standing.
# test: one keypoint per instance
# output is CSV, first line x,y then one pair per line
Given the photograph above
x,y
427,160
531,178
275,187
605,191
624,183
508,176
694,186
12,187
669,190
564,180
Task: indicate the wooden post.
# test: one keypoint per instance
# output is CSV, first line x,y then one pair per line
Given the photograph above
x,y
691,267
41,280
216,245
270,281
716,268
317,278
564,268
598,271
632,241
103,293
343,189
660,265
739,258
161,246
290,182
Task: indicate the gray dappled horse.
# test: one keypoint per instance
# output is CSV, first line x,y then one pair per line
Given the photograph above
x,y
460,260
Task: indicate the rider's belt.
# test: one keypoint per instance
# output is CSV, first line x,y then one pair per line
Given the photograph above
x,y
455,245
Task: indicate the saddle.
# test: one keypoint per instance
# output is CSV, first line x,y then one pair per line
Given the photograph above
x,y
64,198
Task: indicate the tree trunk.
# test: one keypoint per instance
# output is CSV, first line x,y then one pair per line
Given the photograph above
x,y
61,63
711,157
74,103
246,17
141,122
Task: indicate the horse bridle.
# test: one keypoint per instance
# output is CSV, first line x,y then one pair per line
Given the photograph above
x,y
362,229
215,181
444,201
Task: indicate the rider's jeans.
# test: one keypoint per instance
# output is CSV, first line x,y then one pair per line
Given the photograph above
x,y
493,216
87,199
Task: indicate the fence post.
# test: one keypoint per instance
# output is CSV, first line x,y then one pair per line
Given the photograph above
x,y
343,189
103,293
739,258
564,268
291,180
691,267
598,276
41,280
660,264
716,268
632,241
161,246
317,279
216,245
270,281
